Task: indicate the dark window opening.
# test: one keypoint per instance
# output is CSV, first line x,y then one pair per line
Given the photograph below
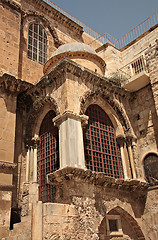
x,y
113,225
151,168
102,153
15,216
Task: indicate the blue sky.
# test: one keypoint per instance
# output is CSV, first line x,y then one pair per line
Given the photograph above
x,y
115,17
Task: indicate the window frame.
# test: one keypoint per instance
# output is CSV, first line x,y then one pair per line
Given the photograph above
x,y
31,46
119,225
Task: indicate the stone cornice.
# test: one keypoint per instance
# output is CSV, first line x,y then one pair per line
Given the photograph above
x,y
60,176
49,11
12,85
7,187
6,167
52,61
56,15
68,66
14,4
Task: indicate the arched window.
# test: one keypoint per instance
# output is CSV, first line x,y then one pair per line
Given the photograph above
x,y
151,168
37,43
48,157
102,153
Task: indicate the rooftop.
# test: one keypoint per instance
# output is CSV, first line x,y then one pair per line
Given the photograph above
x,y
120,43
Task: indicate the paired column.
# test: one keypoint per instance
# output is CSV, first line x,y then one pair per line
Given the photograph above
x,y
71,148
31,161
127,156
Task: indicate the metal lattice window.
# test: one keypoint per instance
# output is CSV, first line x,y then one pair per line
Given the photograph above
x,y
48,157
37,43
102,153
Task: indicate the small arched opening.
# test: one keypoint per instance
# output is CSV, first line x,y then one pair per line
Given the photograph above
x,y
151,168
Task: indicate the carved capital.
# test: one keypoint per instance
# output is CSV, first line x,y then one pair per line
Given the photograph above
x,y
121,140
68,114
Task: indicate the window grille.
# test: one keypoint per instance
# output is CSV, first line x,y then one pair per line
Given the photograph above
x,y
48,157
37,43
102,153
138,66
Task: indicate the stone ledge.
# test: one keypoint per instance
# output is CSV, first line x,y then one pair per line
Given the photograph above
x,y
12,85
6,167
69,173
7,187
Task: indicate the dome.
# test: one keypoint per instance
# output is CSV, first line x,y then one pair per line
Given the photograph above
x,y
80,53
74,47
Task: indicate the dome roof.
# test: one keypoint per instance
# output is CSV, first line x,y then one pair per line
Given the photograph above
x,y
79,52
74,47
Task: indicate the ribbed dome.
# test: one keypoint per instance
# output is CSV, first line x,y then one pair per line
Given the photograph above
x,y
74,47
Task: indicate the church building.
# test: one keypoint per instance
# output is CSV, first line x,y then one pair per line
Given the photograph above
x,y
78,127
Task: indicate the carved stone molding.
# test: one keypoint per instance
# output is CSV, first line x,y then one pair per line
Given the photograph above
x,y
11,85
68,114
6,167
7,187
57,16
60,176
110,98
40,17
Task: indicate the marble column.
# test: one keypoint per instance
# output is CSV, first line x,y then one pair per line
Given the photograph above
x,y
27,164
71,147
129,144
121,142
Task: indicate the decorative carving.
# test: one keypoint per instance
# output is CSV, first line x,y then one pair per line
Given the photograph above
x,y
58,119
6,167
57,16
45,21
12,85
69,173
106,95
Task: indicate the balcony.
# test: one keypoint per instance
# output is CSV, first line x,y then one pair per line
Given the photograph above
x,y
134,75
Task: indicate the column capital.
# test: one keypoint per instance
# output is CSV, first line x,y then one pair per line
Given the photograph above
x,y
121,140
69,114
130,139
35,142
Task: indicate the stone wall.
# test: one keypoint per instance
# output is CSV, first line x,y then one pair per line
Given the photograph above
x,y
142,113
9,39
5,205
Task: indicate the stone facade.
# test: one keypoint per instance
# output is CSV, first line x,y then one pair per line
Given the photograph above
x,y
84,204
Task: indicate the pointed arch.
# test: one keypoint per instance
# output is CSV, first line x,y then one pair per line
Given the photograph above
x,y
102,153
38,110
112,106
129,225
48,156
150,163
